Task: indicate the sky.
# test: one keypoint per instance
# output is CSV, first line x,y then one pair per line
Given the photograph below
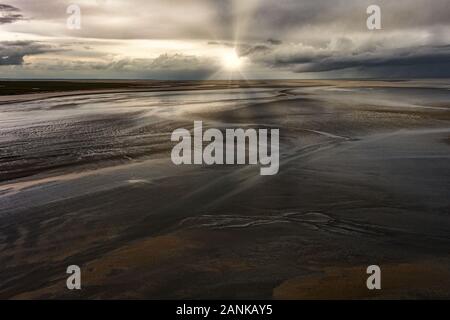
x,y
224,39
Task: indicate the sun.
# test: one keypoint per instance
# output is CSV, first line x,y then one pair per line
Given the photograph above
x,y
231,61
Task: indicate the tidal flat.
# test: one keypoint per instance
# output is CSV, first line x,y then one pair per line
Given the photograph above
x,y
86,178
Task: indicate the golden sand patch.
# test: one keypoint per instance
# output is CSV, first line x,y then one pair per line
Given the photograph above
x,y
134,256
406,280
140,254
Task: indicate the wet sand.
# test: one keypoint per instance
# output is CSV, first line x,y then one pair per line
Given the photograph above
x,y
364,179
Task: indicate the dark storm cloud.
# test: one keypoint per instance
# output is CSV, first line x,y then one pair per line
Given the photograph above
x,y
412,57
286,17
9,14
13,52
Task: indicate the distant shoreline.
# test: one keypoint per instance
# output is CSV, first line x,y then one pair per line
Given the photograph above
x,y
14,91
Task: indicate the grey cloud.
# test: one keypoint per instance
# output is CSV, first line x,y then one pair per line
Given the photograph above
x,y
13,52
286,35
9,14
247,50
274,41
221,19
244,49
165,66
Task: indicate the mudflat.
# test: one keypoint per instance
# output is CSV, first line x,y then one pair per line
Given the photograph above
x,y
86,178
